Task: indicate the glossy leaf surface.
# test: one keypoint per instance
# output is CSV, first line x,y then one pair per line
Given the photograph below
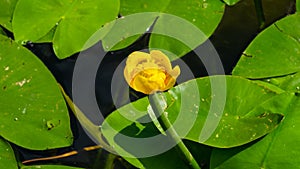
x,y
74,22
179,26
231,2
6,13
279,148
30,100
274,52
7,156
241,120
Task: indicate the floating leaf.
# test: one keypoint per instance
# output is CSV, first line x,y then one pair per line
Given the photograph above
x,y
288,83
127,30
180,26
30,101
74,22
279,148
173,36
231,2
7,156
274,52
163,160
6,13
243,118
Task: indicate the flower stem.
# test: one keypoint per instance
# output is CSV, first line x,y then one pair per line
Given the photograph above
x,y
92,129
109,163
157,101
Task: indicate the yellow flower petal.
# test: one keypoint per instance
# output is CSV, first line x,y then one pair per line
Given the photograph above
x,y
152,72
161,58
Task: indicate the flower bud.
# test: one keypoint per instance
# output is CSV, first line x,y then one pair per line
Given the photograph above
x,y
148,73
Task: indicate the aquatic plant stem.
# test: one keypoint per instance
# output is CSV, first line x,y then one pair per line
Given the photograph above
x,y
156,101
109,162
93,129
260,13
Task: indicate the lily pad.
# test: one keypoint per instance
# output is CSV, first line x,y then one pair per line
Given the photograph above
x,y
243,118
6,13
7,156
273,151
30,99
274,52
231,2
179,26
127,30
289,83
74,22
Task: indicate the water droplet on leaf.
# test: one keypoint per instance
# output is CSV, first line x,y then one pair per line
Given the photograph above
x,y
24,111
204,5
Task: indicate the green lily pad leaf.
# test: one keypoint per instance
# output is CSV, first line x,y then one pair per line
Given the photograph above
x,y
279,148
49,167
243,118
7,156
288,83
6,13
179,27
163,160
171,36
75,21
127,30
274,52
48,37
231,2
30,100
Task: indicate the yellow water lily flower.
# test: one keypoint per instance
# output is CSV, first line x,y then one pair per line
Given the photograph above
x,y
148,73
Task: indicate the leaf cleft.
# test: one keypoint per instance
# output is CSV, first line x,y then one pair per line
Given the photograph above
x,y
287,34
